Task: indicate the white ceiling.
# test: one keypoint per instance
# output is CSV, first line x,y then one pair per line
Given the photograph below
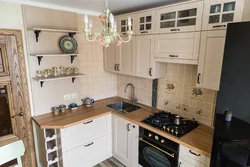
x,y
97,6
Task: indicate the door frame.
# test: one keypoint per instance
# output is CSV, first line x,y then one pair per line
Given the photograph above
x,y
20,82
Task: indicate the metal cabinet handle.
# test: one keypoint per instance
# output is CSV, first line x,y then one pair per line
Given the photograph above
x,y
173,56
88,122
115,67
21,114
198,155
124,33
150,72
128,127
198,78
144,32
87,145
219,26
175,29
118,67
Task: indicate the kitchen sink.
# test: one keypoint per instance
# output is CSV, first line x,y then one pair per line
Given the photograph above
x,y
123,107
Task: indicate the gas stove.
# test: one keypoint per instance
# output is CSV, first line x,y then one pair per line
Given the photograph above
x,y
171,123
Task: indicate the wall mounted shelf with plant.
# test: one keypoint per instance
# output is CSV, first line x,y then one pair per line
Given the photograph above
x,y
45,79
40,56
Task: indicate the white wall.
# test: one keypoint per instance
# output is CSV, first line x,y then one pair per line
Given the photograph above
x,y
11,18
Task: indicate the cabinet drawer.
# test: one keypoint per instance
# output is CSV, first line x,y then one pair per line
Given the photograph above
x,y
190,163
178,46
87,152
74,135
192,156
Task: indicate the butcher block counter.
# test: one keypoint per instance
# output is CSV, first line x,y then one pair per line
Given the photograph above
x,y
200,139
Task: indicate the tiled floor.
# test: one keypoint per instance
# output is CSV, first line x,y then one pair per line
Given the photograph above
x,y
111,162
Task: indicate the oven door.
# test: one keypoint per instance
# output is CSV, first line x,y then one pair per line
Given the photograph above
x,y
153,155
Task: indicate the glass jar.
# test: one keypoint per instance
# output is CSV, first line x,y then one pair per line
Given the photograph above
x,y
39,74
68,71
75,71
61,70
49,71
54,68
54,73
45,74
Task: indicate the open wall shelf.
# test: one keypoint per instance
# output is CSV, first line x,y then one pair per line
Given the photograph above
x,y
37,31
45,79
40,56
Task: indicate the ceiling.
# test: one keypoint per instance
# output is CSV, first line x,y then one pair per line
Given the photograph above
x,y
97,6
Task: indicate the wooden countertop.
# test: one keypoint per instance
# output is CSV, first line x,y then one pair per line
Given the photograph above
x,y
200,139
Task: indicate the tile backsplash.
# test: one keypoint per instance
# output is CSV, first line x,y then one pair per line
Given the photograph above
x,y
177,93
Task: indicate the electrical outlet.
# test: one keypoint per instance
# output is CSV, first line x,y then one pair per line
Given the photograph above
x,y
66,97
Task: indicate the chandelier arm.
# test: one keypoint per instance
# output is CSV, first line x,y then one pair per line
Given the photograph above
x,y
93,40
124,41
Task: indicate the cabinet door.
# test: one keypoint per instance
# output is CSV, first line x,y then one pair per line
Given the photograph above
x,y
183,163
210,60
109,58
180,18
145,23
124,58
134,145
218,13
121,140
122,24
178,46
144,52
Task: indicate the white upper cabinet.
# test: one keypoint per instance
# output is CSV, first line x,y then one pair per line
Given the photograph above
x,y
110,63
145,23
218,13
211,58
184,17
122,24
180,48
146,67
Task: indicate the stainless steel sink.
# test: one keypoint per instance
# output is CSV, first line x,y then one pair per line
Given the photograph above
x,y
123,107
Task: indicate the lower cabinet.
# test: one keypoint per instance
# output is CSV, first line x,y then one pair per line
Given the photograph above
x,y
210,59
190,158
125,141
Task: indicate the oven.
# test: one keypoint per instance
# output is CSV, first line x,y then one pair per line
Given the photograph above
x,y
157,151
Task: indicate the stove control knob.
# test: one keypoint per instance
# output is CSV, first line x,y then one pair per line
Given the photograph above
x,y
168,129
162,140
172,130
176,132
149,135
164,127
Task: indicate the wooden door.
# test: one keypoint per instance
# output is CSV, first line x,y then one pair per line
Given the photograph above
x,y
16,89
124,58
121,140
110,58
218,13
145,23
210,60
180,18
144,54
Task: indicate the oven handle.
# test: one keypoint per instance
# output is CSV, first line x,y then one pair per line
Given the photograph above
x,y
171,155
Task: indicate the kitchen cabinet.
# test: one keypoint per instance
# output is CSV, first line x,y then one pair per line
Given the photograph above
x,y
210,59
122,24
185,17
190,158
180,48
125,141
119,59
145,23
218,13
145,66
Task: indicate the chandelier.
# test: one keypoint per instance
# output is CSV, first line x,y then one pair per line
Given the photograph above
x,y
109,33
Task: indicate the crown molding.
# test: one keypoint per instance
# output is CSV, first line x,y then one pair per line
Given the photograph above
x,y
51,6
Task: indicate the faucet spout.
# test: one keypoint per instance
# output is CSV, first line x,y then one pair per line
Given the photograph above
x,y
133,98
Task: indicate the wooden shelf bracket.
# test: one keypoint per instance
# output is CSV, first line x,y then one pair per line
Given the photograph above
x,y
37,32
72,58
39,59
73,80
71,34
41,83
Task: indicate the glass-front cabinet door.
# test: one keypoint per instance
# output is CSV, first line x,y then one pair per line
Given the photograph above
x,y
180,18
218,13
145,23
122,24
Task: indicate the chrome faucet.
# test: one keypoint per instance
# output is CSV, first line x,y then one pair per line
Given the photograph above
x,y
133,99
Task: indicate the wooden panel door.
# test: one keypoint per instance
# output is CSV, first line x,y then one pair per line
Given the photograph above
x,y
121,140
144,55
18,95
145,23
210,60
122,24
134,145
124,58
218,13
110,58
